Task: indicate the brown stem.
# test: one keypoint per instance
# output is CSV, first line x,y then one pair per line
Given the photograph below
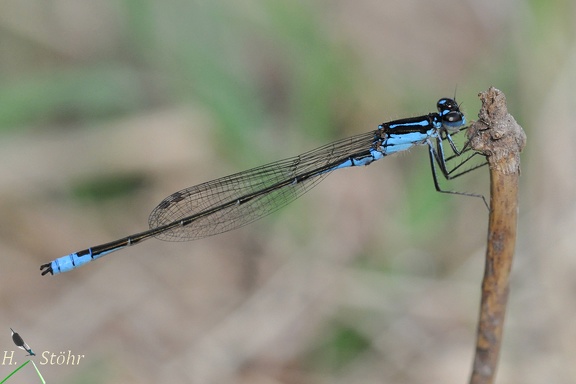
x,y
501,139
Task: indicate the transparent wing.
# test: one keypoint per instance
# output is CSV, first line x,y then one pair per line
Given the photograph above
x,y
233,201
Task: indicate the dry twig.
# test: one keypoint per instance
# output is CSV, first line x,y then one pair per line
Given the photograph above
x,y
500,138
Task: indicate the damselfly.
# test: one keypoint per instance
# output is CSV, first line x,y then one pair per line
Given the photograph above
x,y
233,201
20,343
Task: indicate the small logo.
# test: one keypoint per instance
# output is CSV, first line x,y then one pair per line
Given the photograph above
x,y
19,341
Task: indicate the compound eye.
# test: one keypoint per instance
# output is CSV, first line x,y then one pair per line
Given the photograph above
x,y
446,105
453,117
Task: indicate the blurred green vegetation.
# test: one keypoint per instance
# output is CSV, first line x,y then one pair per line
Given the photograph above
x,y
105,187
339,346
68,95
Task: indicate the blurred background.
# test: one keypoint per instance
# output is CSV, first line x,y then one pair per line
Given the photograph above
x,y
373,277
